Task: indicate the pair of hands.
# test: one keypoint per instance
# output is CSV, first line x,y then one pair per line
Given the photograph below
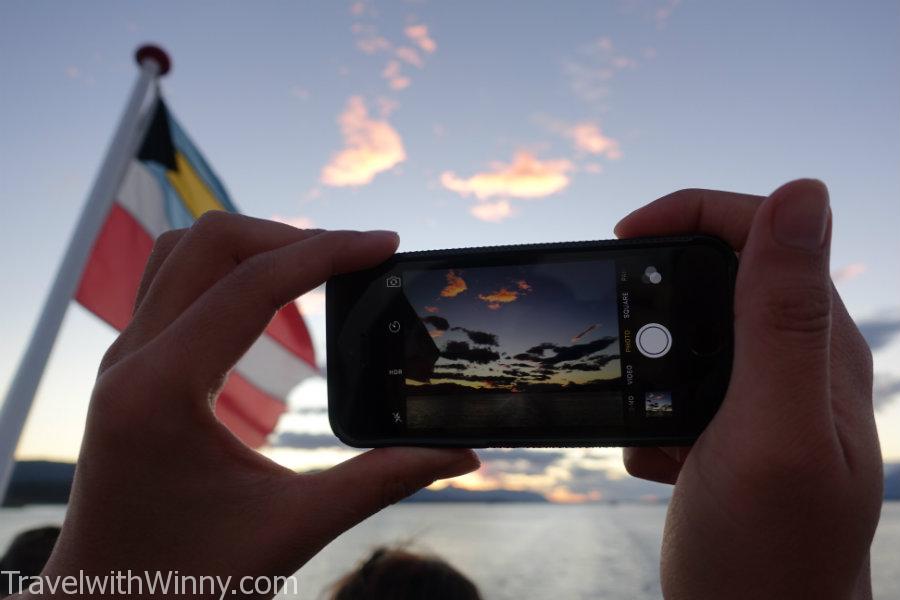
x,y
778,498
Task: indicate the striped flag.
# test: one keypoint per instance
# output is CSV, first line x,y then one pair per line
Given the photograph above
x,y
168,185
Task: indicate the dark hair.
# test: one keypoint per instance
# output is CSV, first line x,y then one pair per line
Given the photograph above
x,y
27,554
401,575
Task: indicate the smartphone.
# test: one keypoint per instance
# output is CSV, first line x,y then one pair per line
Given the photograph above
x,y
604,343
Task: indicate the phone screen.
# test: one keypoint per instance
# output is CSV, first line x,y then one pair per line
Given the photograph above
x,y
578,344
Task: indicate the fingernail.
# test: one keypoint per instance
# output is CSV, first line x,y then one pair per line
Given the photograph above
x,y
801,214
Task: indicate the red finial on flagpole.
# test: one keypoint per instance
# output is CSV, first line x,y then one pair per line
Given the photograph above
x,y
156,54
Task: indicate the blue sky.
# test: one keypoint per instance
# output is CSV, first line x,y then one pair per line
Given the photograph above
x,y
606,105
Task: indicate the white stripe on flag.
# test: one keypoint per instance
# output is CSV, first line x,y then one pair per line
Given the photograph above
x,y
272,368
143,198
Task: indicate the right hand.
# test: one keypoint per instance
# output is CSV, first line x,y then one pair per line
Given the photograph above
x,y
780,495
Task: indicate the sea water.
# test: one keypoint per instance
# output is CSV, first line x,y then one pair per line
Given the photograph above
x,y
515,551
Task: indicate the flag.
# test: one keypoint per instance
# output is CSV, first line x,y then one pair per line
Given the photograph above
x,y
168,185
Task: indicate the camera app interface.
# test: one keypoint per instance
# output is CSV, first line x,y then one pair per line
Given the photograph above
x,y
513,346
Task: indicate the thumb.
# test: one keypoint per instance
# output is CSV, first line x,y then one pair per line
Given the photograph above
x,y
783,309
363,485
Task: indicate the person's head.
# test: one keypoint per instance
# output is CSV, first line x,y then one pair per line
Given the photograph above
x,y
400,575
27,554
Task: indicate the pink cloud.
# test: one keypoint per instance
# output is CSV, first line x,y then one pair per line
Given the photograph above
x,y
588,138
395,78
492,212
300,222
357,9
849,272
419,35
525,177
371,147
409,55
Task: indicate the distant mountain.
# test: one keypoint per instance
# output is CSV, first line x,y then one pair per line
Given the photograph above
x,y
46,482
455,494
40,482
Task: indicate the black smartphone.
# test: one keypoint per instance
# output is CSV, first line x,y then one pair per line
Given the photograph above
x,y
606,343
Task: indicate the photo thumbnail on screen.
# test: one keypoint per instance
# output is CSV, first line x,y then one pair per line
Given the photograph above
x,y
521,346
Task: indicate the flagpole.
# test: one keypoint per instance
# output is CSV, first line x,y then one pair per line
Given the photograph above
x,y
153,62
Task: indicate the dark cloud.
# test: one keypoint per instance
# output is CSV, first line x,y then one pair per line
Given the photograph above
x,y
879,332
541,348
481,338
457,366
307,441
462,351
499,380
595,364
562,354
439,323
576,351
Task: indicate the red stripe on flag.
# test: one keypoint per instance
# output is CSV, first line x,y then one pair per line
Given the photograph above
x,y
247,411
288,329
113,274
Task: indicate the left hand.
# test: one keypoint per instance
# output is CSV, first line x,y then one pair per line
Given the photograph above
x,y
160,483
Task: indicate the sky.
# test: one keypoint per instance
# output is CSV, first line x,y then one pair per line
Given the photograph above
x,y
455,124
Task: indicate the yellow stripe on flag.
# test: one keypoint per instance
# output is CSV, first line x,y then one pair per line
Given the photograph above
x,y
196,196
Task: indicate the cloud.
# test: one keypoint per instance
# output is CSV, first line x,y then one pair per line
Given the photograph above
x,y
497,299
525,177
588,138
419,35
432,309
595,65
300,222
439,323
523,285
479,337
492,212
595,364
372,146
395,78
357,8
373,44
462,351
73,72
300,92
886,388
519,460
409,55
585,332
456,285
849,272
663,12
879,332
561,354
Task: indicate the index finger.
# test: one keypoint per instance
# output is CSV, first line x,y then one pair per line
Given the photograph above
x,y
727,215
207,339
